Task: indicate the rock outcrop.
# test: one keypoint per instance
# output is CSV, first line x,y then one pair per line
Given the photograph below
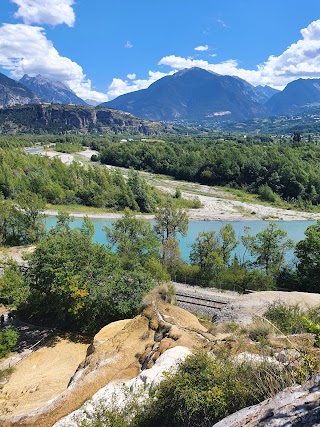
x,y
120,352
74,119
121,391
293,407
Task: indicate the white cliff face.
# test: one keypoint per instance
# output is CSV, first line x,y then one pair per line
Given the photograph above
x,y
119,394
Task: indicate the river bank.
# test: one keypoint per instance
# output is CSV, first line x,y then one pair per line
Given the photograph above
x,y
215,208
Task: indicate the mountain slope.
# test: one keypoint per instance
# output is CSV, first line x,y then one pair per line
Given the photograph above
x,y
264,93
71,118
192,94
298,96
13,92
51,91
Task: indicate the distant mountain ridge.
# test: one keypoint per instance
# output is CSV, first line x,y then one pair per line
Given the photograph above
x,y
195,94
192,94
51,91
298,96
13,92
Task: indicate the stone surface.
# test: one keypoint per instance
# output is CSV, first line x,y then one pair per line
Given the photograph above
x,y
118,392
293,407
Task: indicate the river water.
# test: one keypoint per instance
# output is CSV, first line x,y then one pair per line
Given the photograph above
x,y
295,230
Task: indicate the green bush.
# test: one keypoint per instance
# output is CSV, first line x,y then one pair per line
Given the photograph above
x,y
205,390
289,319
8,341
266,194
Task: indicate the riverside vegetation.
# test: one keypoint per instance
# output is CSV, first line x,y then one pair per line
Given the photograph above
x,y
277,170
76,284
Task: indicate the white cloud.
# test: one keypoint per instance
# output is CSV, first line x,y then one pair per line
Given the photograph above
x,y
119,87
299,60
128,45
52,12
25,49
222,23
202,48
131,76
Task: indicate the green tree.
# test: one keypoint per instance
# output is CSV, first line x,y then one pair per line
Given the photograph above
x,y
268,247
228,242
81,285
205,252
139,188
8,341
308,254
212,252
13,289
168,222
133,238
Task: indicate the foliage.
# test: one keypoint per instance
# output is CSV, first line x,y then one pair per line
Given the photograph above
x,y
13,289
271,168
204,390
308,254
22,222
267,194
54,182
168,222
75,283
133,238
268,247
8,341
212,252
289,319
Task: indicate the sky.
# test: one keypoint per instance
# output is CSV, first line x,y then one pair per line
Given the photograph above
x,y
102,49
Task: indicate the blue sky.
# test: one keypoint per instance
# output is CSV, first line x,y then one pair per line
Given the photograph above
x,y
103,49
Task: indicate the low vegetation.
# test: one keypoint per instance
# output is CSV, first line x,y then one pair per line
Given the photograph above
x,y
8,341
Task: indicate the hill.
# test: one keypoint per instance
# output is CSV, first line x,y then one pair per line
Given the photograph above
x,y
75,119
298,96
13,92
51,91
193,94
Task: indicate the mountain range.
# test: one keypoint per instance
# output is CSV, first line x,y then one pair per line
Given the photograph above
x,y
197,94
194,94
13,92
189,95
51,91
297,97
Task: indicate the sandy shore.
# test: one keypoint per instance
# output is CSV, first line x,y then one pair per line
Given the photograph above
x,y
215,208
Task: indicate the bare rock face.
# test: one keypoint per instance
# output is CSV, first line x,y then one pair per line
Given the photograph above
x,y
12,93
293,407
75,119
51,91
118,391
119,353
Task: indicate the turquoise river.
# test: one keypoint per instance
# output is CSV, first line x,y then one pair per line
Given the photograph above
x,y
295,230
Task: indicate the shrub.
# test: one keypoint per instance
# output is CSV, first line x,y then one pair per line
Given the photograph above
x,y
204,390
289,319
266,194
178,194
8,341
259,330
